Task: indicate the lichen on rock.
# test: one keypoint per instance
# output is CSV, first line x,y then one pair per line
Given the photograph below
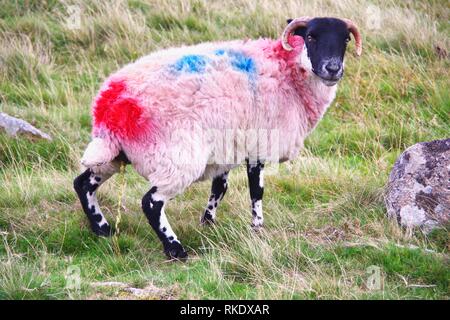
x,y
418,192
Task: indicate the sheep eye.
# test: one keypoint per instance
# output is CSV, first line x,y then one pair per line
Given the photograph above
x,y
347,40
310,38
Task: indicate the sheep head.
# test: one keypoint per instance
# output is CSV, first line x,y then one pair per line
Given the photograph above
x,y
325,43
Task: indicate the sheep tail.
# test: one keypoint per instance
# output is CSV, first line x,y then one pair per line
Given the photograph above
x,y
100,151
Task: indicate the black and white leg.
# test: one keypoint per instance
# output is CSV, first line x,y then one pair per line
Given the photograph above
x,y
153,206
256,185
218,189
86,185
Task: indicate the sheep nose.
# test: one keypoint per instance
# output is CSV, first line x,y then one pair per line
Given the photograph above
x,y
333,67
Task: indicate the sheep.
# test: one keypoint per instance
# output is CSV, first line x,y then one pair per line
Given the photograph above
x,y
167,115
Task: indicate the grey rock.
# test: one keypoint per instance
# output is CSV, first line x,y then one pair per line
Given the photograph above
x,y
13,126
418,192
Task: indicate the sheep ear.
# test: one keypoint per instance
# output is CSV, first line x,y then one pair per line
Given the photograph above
x,y
299,31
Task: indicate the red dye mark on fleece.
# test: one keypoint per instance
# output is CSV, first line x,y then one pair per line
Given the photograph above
x,y
296,43
120,114
287,60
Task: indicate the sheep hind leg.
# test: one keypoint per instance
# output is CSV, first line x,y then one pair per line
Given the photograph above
x,y
153,206
86,186
255,176
218,189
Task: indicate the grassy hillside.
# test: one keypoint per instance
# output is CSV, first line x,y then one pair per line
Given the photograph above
x,y
325,218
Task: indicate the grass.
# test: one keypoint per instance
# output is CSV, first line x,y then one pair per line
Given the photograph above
x,y
325,219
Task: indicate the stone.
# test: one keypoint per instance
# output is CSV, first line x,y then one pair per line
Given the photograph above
x,y
418,192
13,126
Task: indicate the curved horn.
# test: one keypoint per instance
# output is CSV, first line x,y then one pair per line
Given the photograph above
x,y
294,24
354,30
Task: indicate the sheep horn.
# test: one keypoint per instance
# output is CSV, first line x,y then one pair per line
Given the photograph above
x,y
354,30
294,24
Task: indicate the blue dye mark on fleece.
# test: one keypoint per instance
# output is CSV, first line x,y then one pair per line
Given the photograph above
x,y
239,61
191,63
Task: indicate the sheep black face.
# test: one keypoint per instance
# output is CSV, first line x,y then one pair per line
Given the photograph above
x,y
326,41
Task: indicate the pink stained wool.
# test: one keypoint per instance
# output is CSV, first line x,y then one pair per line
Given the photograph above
x,y
276,50
163,103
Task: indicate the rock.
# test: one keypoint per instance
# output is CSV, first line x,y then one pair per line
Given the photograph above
x,y
124,291
13,126
150,291
418,192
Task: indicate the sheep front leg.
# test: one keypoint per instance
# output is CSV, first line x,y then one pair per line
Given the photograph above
x,y
256,186
218,189
153,206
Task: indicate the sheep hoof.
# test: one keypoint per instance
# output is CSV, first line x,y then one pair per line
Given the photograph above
x,y
207,220
175,251
103,231
257,227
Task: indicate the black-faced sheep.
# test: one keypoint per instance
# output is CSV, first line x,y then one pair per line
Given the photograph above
x,y
176,114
